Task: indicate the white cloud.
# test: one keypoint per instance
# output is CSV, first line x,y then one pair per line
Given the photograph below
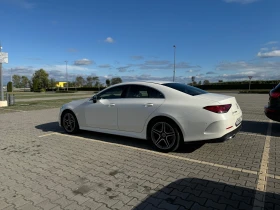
x,y
20,3
137,57
274,53
264,49
109,40
104,66
241,1
271,42
82,62
260,70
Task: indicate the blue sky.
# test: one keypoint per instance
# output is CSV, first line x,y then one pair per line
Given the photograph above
x,y
215,39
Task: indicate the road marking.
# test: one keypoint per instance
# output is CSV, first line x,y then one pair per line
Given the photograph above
x,y
164,154
168,155
259,200
47,134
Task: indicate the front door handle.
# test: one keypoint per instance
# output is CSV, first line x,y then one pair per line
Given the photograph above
x,y
111,105
149,105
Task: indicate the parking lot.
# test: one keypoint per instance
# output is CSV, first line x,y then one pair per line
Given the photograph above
x,y
44,168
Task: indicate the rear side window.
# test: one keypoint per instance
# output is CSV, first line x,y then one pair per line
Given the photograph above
x,y
190,90
141,91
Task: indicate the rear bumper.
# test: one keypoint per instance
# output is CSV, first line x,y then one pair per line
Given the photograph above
x,y
226,137
272,113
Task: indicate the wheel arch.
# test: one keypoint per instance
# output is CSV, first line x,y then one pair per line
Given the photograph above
x,y
162,117
69,110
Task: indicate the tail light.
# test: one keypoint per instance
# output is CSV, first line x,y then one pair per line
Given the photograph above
x,y
218,108
274,94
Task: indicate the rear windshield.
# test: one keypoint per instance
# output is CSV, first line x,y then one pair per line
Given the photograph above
x,y
277,87
190,90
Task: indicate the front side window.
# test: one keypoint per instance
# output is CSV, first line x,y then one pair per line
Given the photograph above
x,y
112,93
141,91
190,90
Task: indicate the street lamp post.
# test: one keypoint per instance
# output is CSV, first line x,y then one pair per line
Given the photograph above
x,y
1,78
174,63
250,77
66,75
12,79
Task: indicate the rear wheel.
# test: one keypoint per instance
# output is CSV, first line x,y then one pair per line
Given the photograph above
x,y
70,123
165,136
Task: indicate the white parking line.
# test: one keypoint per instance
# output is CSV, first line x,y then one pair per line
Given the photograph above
x,y
168,155
162,154
47,134
259,200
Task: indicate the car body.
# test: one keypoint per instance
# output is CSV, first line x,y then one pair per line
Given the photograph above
x,y
154,110
272,110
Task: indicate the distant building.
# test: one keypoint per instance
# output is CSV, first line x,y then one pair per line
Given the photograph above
x,y
60,84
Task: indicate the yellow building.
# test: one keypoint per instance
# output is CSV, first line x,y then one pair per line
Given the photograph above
x,y
60,84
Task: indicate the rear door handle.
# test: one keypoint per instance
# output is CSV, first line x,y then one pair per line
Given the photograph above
x,y
110,105
149,105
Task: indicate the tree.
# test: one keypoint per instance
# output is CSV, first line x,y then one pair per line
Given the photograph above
x,y
95,79
52,83
97,84
24,81
10,87
16,81
199,82
42,79
206,82
108,82
36,85
221,81
116,80
80,81
193,80
89,81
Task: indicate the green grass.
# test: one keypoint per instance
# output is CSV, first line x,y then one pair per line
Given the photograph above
x,y
45,95
36,105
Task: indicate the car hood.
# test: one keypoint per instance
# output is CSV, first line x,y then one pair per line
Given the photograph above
x,y
75,103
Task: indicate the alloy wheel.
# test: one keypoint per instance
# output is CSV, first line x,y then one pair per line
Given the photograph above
x,y
69,122
163,135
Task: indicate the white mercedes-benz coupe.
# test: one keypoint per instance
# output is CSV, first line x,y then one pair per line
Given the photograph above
x,y
165,113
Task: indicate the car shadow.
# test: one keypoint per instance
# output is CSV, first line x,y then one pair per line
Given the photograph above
x,y
122,140
194,193
260,128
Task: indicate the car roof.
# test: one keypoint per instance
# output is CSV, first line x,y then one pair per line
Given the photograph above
x,y
148,81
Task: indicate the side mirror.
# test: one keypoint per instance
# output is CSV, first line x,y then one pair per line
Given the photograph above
x,y
94,99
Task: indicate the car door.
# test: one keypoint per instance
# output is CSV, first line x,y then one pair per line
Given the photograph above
x,y
103,113
133,110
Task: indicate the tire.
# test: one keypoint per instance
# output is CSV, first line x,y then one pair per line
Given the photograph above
x,y
165,136
69,122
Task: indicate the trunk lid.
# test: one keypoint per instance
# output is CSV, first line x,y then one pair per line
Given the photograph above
x,y
215,99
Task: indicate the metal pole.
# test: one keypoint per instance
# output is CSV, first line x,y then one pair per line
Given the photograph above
x,y
1,78
66,76
12,79
174,63
250,85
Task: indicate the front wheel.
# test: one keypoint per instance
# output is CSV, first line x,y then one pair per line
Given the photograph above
x,y
165,136
70,123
